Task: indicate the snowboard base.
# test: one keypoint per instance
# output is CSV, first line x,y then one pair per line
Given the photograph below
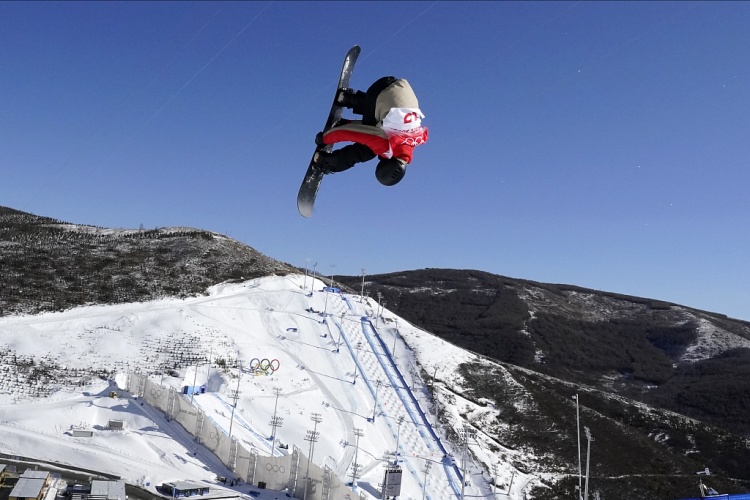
x,y
308,191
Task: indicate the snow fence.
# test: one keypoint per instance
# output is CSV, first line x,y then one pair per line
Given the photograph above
x,y
292,472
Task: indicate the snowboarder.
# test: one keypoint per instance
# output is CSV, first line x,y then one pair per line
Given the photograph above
x,y
390,128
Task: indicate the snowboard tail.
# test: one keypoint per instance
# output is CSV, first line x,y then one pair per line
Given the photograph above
x,y
308,191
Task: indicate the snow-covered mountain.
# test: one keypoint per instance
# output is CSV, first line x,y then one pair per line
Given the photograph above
x,y
355,366
662,388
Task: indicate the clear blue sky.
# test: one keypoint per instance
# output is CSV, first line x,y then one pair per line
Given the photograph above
x,y
601,144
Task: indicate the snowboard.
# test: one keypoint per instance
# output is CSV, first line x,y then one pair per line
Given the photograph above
x,y
308,191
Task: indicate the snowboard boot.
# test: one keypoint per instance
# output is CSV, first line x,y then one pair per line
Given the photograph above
x,y
346,98
322,162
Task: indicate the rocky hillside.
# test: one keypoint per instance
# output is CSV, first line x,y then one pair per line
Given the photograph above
x,y
49,265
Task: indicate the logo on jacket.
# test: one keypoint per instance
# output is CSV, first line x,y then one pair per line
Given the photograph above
x,y
403,119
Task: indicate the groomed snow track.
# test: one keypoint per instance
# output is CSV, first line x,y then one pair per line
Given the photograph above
x,y
394,399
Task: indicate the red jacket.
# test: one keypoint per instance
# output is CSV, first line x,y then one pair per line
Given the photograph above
x,y
398,131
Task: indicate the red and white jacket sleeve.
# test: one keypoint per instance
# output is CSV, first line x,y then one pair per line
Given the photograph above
x,y
400,133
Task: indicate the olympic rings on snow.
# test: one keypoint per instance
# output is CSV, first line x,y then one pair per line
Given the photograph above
x,y
264,366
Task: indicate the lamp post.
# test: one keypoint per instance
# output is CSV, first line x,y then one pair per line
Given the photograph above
x,y
375,401
435,395
235,396
395,336
466,433
195,378
427,465
359,345
355,466
312,283
275,421
362,293
311,436
341,324
494,481
307,261
588,459
377,311
398,439
578,428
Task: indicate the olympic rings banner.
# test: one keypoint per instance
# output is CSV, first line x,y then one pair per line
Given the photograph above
x,y
264,366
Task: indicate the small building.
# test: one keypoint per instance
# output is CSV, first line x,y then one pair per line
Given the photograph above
x,y
107,490
115,425
184,489
36,474
27,489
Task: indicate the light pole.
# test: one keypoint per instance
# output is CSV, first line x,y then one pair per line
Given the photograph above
x,y
377,312
578,427
312,284
307,262
195,378
398,439
359,345
362,293
395,336
435,395
466,433
494,481
311,436
235,396
333,269
375,401
355,466
275,421
341,329
427,465
163,369
588,459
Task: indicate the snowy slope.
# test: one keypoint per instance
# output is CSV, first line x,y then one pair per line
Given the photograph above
x,y
336,359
